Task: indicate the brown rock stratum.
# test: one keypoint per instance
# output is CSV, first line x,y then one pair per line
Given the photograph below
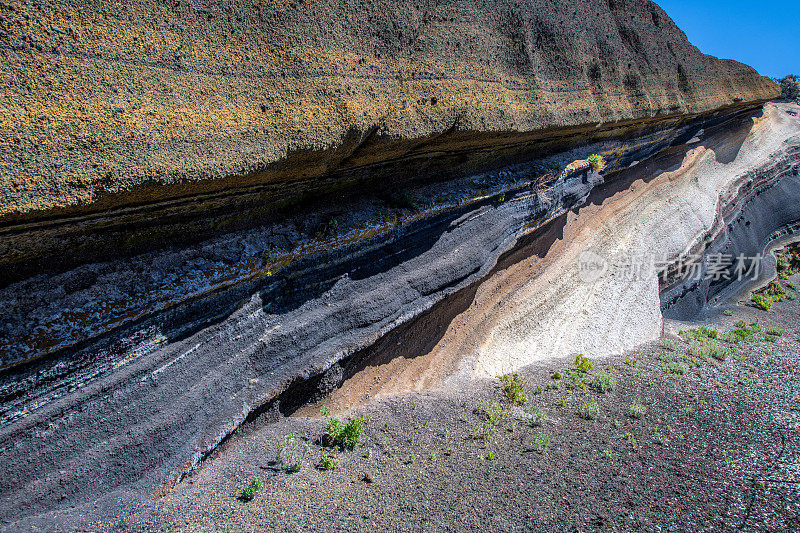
x,y
112,104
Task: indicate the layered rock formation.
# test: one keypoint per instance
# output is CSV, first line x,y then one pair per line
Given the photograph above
x,y
338,185
191,111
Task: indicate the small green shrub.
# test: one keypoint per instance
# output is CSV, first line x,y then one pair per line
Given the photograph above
x,y
250,491
637,410
674,368
763,301
707,349
490,455
631,361
536,415
603,382
728,312
494,414
328,462
743,332
790,87
589,410
346,435
556,376
698,334
541,442
513,389
291,453
597,162
583,364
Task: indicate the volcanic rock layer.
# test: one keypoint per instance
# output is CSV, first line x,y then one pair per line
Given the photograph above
x,y
127,126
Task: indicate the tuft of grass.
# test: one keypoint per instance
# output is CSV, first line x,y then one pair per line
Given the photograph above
x,y
346,434
608,454
513,389
631,361
589,410
490,456
597,162
728,312
251,489
328,462
637,410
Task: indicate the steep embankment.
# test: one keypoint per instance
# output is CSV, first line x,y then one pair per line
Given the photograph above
x,y
204,117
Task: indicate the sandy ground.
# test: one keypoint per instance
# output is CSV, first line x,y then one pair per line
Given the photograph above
x,y
716,449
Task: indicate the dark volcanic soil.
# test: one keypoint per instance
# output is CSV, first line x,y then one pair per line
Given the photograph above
x,y
717,449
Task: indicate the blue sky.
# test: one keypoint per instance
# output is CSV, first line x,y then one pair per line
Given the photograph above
x,y
763,34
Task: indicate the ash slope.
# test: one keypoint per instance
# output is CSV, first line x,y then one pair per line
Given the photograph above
x,y
112,102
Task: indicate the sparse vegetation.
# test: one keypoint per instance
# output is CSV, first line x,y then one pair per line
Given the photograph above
x,y
743,332
637,410
603,382
513,389
705,349
250,491
541,442
494,414
589,409
700,333
328,462
762,301
536,416
674,368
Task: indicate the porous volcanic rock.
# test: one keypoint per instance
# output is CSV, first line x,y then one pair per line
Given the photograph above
x,y
111,104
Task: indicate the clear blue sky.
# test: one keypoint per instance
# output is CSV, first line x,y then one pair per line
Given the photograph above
x,y
762,34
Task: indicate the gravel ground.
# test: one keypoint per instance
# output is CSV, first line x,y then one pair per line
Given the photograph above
x,y
716,449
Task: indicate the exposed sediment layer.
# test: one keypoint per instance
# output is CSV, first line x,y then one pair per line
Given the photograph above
x,y
132,125
589,283
142,418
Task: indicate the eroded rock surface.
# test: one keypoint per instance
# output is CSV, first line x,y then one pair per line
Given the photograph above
x,y
124,98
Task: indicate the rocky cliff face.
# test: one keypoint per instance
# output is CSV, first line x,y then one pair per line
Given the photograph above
x,y
110,104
